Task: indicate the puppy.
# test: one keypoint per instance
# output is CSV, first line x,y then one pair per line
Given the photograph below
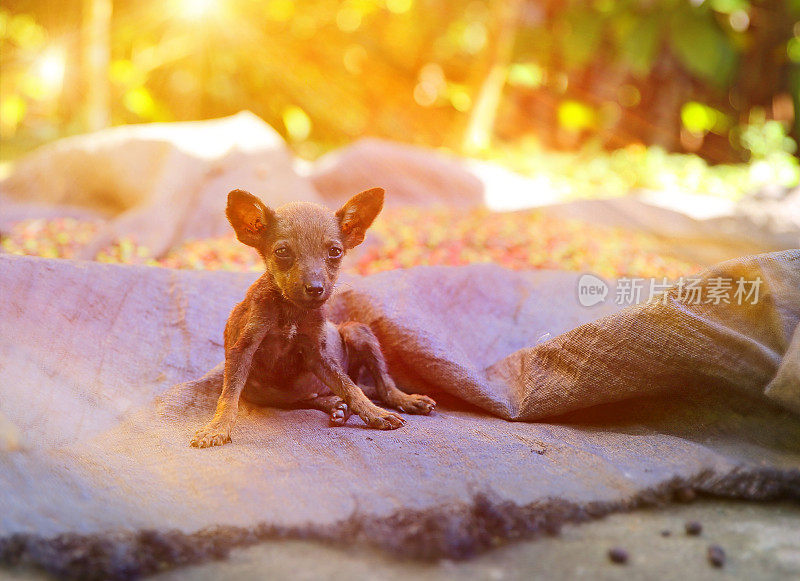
x,y
279,347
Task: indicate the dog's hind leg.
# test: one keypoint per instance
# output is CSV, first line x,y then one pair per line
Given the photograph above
x,y
198,393
363,349
210,383
332,405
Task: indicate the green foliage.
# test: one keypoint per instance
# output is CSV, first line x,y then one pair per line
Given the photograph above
x,y
793,49
771,151
701,46
591,173
583,32
637,40
764,139
634,32
326,72
657,47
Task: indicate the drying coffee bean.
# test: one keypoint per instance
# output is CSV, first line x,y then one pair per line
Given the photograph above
x,y
716,555
618,555
693,528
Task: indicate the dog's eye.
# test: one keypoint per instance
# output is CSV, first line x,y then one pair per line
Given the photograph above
x,y
335,252
282,252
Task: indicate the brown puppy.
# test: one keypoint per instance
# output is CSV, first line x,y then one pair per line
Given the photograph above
x,y
279,348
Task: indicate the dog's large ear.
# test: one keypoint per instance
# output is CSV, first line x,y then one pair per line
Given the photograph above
x,y
358,214
249,217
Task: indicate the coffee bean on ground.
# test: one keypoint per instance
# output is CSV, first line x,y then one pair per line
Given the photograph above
x,y
716,555
618,555
666,533
693,528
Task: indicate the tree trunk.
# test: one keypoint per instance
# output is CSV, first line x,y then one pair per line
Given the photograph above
x,y
478,135
96,33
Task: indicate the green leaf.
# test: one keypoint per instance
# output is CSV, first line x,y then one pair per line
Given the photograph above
x,y
702,47
638,42
729,6
584,32
793,49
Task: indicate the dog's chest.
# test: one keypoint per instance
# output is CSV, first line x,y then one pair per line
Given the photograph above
x,y
280,355
281,343
287,334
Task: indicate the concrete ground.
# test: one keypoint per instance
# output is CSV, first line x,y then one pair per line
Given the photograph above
x,y
761,542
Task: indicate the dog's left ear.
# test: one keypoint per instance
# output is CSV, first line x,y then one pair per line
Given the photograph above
x,y
358,214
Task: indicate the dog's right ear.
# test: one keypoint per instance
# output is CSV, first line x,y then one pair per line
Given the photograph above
x,y
249,217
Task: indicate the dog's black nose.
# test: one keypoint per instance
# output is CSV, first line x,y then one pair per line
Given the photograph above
x,y
314,290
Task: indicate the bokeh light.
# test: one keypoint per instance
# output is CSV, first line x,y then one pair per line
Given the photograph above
x,y
50,68
195,10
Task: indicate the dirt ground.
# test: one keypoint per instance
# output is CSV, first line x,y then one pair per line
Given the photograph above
x,y
761,541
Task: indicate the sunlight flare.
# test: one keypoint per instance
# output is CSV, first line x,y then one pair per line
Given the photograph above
x,y
50,68
198,9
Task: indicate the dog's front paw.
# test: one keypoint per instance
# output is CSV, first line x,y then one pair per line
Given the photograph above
x,y
212,435
415,403
382,419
